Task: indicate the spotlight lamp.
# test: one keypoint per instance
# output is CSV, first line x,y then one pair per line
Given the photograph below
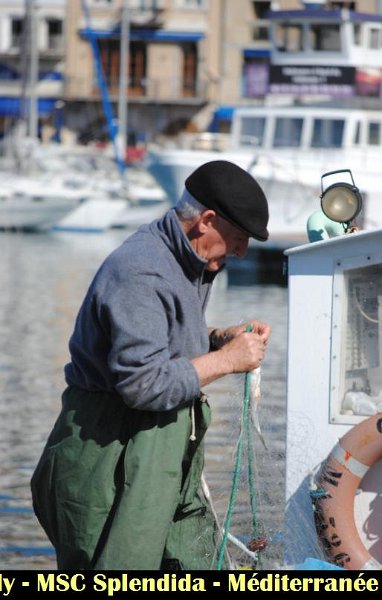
x,y
341,202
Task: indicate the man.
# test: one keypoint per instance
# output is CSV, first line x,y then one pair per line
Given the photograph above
x,y
117,486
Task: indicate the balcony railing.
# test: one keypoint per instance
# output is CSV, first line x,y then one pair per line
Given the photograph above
x,y
56,43
170,89
16,43
146,5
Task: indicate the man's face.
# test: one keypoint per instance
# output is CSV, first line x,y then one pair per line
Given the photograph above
x,y
222,240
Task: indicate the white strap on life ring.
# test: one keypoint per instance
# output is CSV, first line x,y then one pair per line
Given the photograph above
x,y
348,461
358,450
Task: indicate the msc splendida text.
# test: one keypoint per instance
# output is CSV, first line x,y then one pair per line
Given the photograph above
x,y
115,582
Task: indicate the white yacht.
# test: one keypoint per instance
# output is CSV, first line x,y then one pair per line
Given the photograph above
x,y
287,149
30,205
62,188
311,112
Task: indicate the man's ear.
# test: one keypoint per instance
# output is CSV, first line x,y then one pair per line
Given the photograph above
x,y
206,220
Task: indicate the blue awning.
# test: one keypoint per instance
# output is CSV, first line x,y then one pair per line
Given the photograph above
x,y
223,113
12,107
146,35
256,53
307,13
321,15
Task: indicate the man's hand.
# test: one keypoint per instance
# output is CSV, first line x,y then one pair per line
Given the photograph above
x,y
244,352
236,350
220,337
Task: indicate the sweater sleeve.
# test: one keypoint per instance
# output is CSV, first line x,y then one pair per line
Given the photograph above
x,y
148,374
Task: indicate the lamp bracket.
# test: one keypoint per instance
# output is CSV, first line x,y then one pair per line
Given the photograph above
x,y
334,173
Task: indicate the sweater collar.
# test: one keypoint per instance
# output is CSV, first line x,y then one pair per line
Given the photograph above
x,y
172,234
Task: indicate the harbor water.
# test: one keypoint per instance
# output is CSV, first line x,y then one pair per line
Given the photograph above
x,y
43,280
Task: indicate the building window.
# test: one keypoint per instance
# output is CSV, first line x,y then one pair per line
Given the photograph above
x,y
102,2
137,70
325,38
110,56
261,24
189,69
357,34
145,5
16,33
55,37
343,4
374,37
289,38
260,8
192,4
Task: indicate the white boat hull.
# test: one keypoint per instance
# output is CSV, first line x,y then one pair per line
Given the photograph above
x,y
92,216
287,150
170,168
135,216
26,213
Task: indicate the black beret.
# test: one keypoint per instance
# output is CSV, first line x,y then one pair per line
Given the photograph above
x,y
233,193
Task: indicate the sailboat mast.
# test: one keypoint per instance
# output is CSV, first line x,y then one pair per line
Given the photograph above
x,y
124,78
29,70
107,106
33,74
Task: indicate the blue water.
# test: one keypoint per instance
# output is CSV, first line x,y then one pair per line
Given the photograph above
x,y
43,280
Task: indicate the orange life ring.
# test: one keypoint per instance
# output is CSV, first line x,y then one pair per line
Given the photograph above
x,y
345,467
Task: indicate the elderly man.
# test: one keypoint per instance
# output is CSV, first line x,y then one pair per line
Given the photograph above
x,y
117,485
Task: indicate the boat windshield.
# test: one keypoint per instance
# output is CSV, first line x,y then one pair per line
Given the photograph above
x,y
328,133
252,131
374,134
288,132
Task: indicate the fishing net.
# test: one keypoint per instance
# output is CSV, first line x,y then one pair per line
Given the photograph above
x,y
255,521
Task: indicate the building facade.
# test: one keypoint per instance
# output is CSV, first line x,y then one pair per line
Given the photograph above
x,y
32,54
187,58
188,63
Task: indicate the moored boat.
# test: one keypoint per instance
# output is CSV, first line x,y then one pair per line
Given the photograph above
x,y
29,205
287,148
334,393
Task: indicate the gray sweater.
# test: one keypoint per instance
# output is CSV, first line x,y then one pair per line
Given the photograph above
x,y
142,320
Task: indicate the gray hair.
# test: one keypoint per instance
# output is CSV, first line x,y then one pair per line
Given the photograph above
x,y
188,207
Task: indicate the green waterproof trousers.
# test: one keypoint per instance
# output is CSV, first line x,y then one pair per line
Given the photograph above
x,y
117,488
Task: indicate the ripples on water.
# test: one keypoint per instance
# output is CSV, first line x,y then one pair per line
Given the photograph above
x,y
43,280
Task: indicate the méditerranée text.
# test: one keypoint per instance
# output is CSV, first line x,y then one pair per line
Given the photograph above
x,y
111,583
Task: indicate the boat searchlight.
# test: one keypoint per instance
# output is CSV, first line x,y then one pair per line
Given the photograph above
x,y
341,202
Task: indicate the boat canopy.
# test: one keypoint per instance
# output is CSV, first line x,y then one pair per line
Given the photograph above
x,y
13,107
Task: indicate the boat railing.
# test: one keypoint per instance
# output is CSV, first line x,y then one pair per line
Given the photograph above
x,y
249,140
207,140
